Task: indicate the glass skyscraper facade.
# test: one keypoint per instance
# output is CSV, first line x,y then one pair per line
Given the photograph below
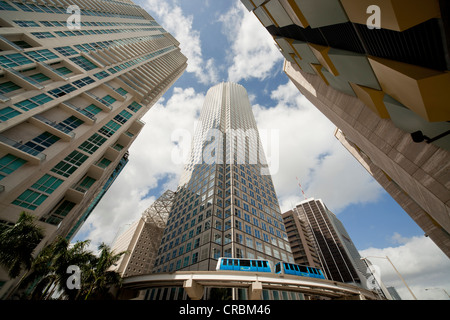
x,y
225,204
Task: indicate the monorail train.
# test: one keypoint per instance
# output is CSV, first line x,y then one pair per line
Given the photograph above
x,y
260,265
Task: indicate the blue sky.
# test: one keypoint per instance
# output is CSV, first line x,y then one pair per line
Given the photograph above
x,y
224,42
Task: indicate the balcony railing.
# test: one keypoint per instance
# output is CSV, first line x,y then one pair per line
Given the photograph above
x,y
55,125
19,146
88,114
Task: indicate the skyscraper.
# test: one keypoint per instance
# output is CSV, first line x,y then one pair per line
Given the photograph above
x,y
379,70
339,258
71,99
225,204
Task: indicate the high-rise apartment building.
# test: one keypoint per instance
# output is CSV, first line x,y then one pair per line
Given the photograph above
x,y
339,259
379,70
304,248
225,204
71,100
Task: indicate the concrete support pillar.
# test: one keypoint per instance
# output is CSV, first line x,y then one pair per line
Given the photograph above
x,y
193,289
255,291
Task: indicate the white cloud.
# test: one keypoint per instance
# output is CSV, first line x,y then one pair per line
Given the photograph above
x,y
421,264
309,151
253,53
150,165
171,17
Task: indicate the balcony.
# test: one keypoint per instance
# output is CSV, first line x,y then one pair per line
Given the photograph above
x,y
52,127
53,72
84,115
97,101
20,150
23,80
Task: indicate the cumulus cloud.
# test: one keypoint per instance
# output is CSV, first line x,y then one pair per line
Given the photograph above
x,y
253,53
419,261
170,15
309,151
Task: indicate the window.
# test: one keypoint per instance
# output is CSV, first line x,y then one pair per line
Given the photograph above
x,y
47,184
66,51
108,100
8,86
84,63
71,123
63,70
41,35
60,212
134,106
82,82
39,77
62,91
100,75
123,116
42,141
8,113
13,60
33,102
41,55
103,163
6,6
70,163
109,129
38,192
93,109
8,164
85,184
22,44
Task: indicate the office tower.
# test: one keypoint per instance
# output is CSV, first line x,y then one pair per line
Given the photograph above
x,y
339,258
379,70
394,294
225,204
141,240
304,248
71,101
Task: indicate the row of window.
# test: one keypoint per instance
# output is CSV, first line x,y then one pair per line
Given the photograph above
x,y
28,23
41,190
76,33
29,7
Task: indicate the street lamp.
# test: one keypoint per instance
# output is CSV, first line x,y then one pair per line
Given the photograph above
x,y
398,273
438,289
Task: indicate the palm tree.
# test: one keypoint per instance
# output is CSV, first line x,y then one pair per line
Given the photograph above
x,y
101,278
49,269
17,244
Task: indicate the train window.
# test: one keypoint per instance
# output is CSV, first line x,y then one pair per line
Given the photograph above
x,y
245,263
253,263
259,264
296,267
277,268
303,269
265,264
225,262
235,262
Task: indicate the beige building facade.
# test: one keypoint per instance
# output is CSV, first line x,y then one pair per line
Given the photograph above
x,y
142,239
379,70
71,100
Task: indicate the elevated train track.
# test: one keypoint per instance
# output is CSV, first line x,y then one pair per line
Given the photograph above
x,y
194,283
